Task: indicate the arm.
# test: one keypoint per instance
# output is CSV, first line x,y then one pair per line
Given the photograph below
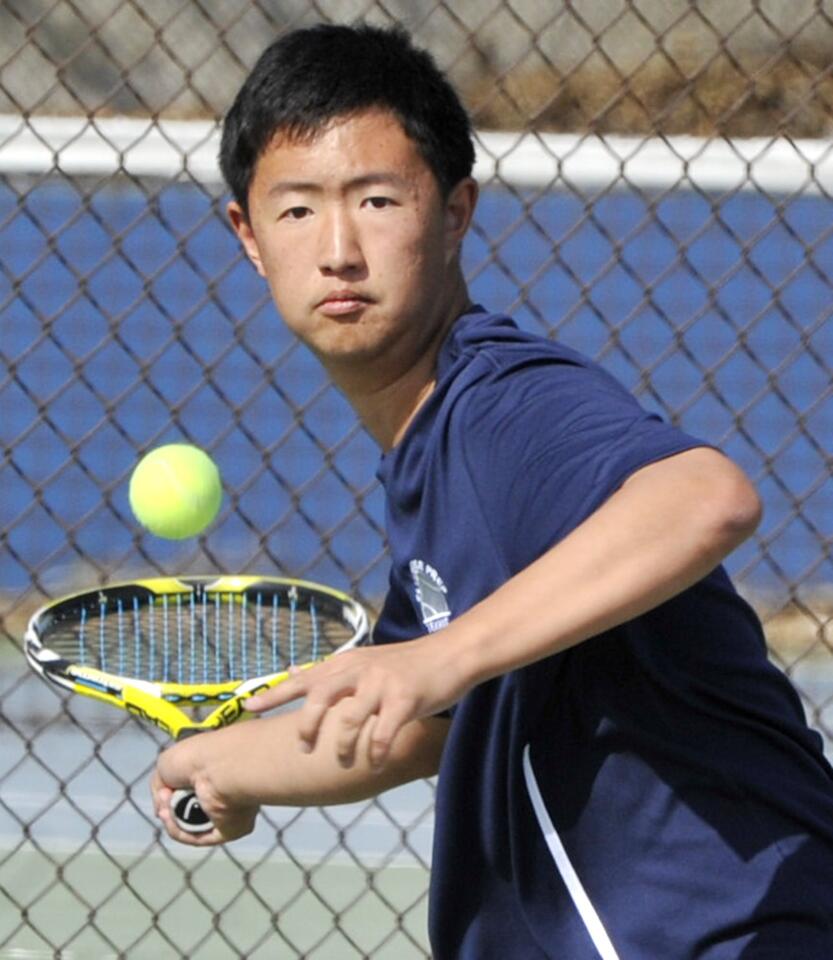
x,y
668,526
663,530
237,769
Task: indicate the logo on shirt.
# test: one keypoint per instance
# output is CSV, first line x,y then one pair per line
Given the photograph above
x,y
431,596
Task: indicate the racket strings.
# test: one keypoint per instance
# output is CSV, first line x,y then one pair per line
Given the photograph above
x,y
199,638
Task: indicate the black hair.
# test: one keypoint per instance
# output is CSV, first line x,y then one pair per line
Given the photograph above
x,y
314,75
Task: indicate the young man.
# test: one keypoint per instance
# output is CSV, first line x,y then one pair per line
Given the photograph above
x,y
622,774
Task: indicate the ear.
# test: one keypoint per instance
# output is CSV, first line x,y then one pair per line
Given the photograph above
x,y
459,210
243,228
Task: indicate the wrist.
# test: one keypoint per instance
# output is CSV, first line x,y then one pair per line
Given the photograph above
x,y
462,655
178,766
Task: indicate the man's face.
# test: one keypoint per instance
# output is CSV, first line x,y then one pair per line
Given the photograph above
x,y
358,245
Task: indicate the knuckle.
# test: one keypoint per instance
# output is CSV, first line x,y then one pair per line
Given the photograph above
x,y
351,721
379,743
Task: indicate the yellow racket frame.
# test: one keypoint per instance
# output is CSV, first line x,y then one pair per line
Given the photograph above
x,y
164,704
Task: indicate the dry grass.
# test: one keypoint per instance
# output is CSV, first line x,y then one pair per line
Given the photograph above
x,y
799,629
751,96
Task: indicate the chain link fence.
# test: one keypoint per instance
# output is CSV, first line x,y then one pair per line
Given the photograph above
x,y
657,180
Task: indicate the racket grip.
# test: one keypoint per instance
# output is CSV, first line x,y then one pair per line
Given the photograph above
x,y
188,813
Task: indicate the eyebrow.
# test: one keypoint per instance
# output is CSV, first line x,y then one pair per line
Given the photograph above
x,y
356,183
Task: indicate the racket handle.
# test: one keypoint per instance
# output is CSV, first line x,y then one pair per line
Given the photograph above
x,y
188,813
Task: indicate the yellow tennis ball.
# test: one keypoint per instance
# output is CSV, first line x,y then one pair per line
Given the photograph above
x,y
175,491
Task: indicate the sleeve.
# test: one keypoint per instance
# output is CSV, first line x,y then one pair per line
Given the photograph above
x,y
396,621
545,445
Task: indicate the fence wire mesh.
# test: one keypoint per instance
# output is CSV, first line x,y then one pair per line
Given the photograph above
x,y
656,191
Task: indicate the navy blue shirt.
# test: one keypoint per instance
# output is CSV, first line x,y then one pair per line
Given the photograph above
x,y
653,792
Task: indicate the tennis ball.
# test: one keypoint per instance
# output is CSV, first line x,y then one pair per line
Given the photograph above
x,y
175,491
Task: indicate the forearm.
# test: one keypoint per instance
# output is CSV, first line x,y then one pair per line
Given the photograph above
x,y
664,530
258,763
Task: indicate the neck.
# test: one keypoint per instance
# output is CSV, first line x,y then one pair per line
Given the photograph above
x,y
388,396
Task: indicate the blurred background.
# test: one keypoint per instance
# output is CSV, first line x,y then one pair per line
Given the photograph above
x,y
656,179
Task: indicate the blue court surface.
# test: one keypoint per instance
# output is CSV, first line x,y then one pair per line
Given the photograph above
x,y
126,323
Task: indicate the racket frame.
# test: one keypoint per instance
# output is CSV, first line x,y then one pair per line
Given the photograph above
x,y
164,704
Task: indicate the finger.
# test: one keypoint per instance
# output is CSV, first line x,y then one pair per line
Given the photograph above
x,y
390,720
293,688
354,714
309,720
160,792
220,832
161,798
209,838
322,696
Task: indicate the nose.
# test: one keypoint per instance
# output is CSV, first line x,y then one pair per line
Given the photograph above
x,y
340,246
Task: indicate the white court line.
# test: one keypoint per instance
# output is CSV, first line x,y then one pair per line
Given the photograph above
x,y
24,953
188,149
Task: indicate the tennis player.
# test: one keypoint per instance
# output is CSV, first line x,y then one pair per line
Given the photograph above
x,y
622,773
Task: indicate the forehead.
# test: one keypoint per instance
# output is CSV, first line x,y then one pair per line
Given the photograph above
x,y
346,146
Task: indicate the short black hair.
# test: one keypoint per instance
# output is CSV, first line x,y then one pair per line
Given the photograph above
x,y
314,75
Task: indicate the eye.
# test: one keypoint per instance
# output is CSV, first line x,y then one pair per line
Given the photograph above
x,y
295,213
378,203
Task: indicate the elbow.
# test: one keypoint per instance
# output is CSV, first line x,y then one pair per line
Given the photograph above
x,y
752,512
738,508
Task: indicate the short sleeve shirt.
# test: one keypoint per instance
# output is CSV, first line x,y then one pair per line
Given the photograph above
x,y
657,753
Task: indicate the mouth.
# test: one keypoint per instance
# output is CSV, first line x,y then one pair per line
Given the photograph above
x,y
342,303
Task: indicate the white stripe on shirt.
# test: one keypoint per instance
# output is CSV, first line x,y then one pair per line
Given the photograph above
x,y
586,910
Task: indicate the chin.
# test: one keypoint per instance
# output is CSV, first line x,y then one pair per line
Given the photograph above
x,y
352,337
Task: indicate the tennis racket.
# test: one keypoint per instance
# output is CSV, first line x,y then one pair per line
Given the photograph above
x,y
184,653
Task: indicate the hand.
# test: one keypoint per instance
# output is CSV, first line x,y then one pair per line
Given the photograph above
x,y
229,822
372,693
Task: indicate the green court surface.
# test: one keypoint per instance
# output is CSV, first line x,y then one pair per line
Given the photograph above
x,y
88,904
84,874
